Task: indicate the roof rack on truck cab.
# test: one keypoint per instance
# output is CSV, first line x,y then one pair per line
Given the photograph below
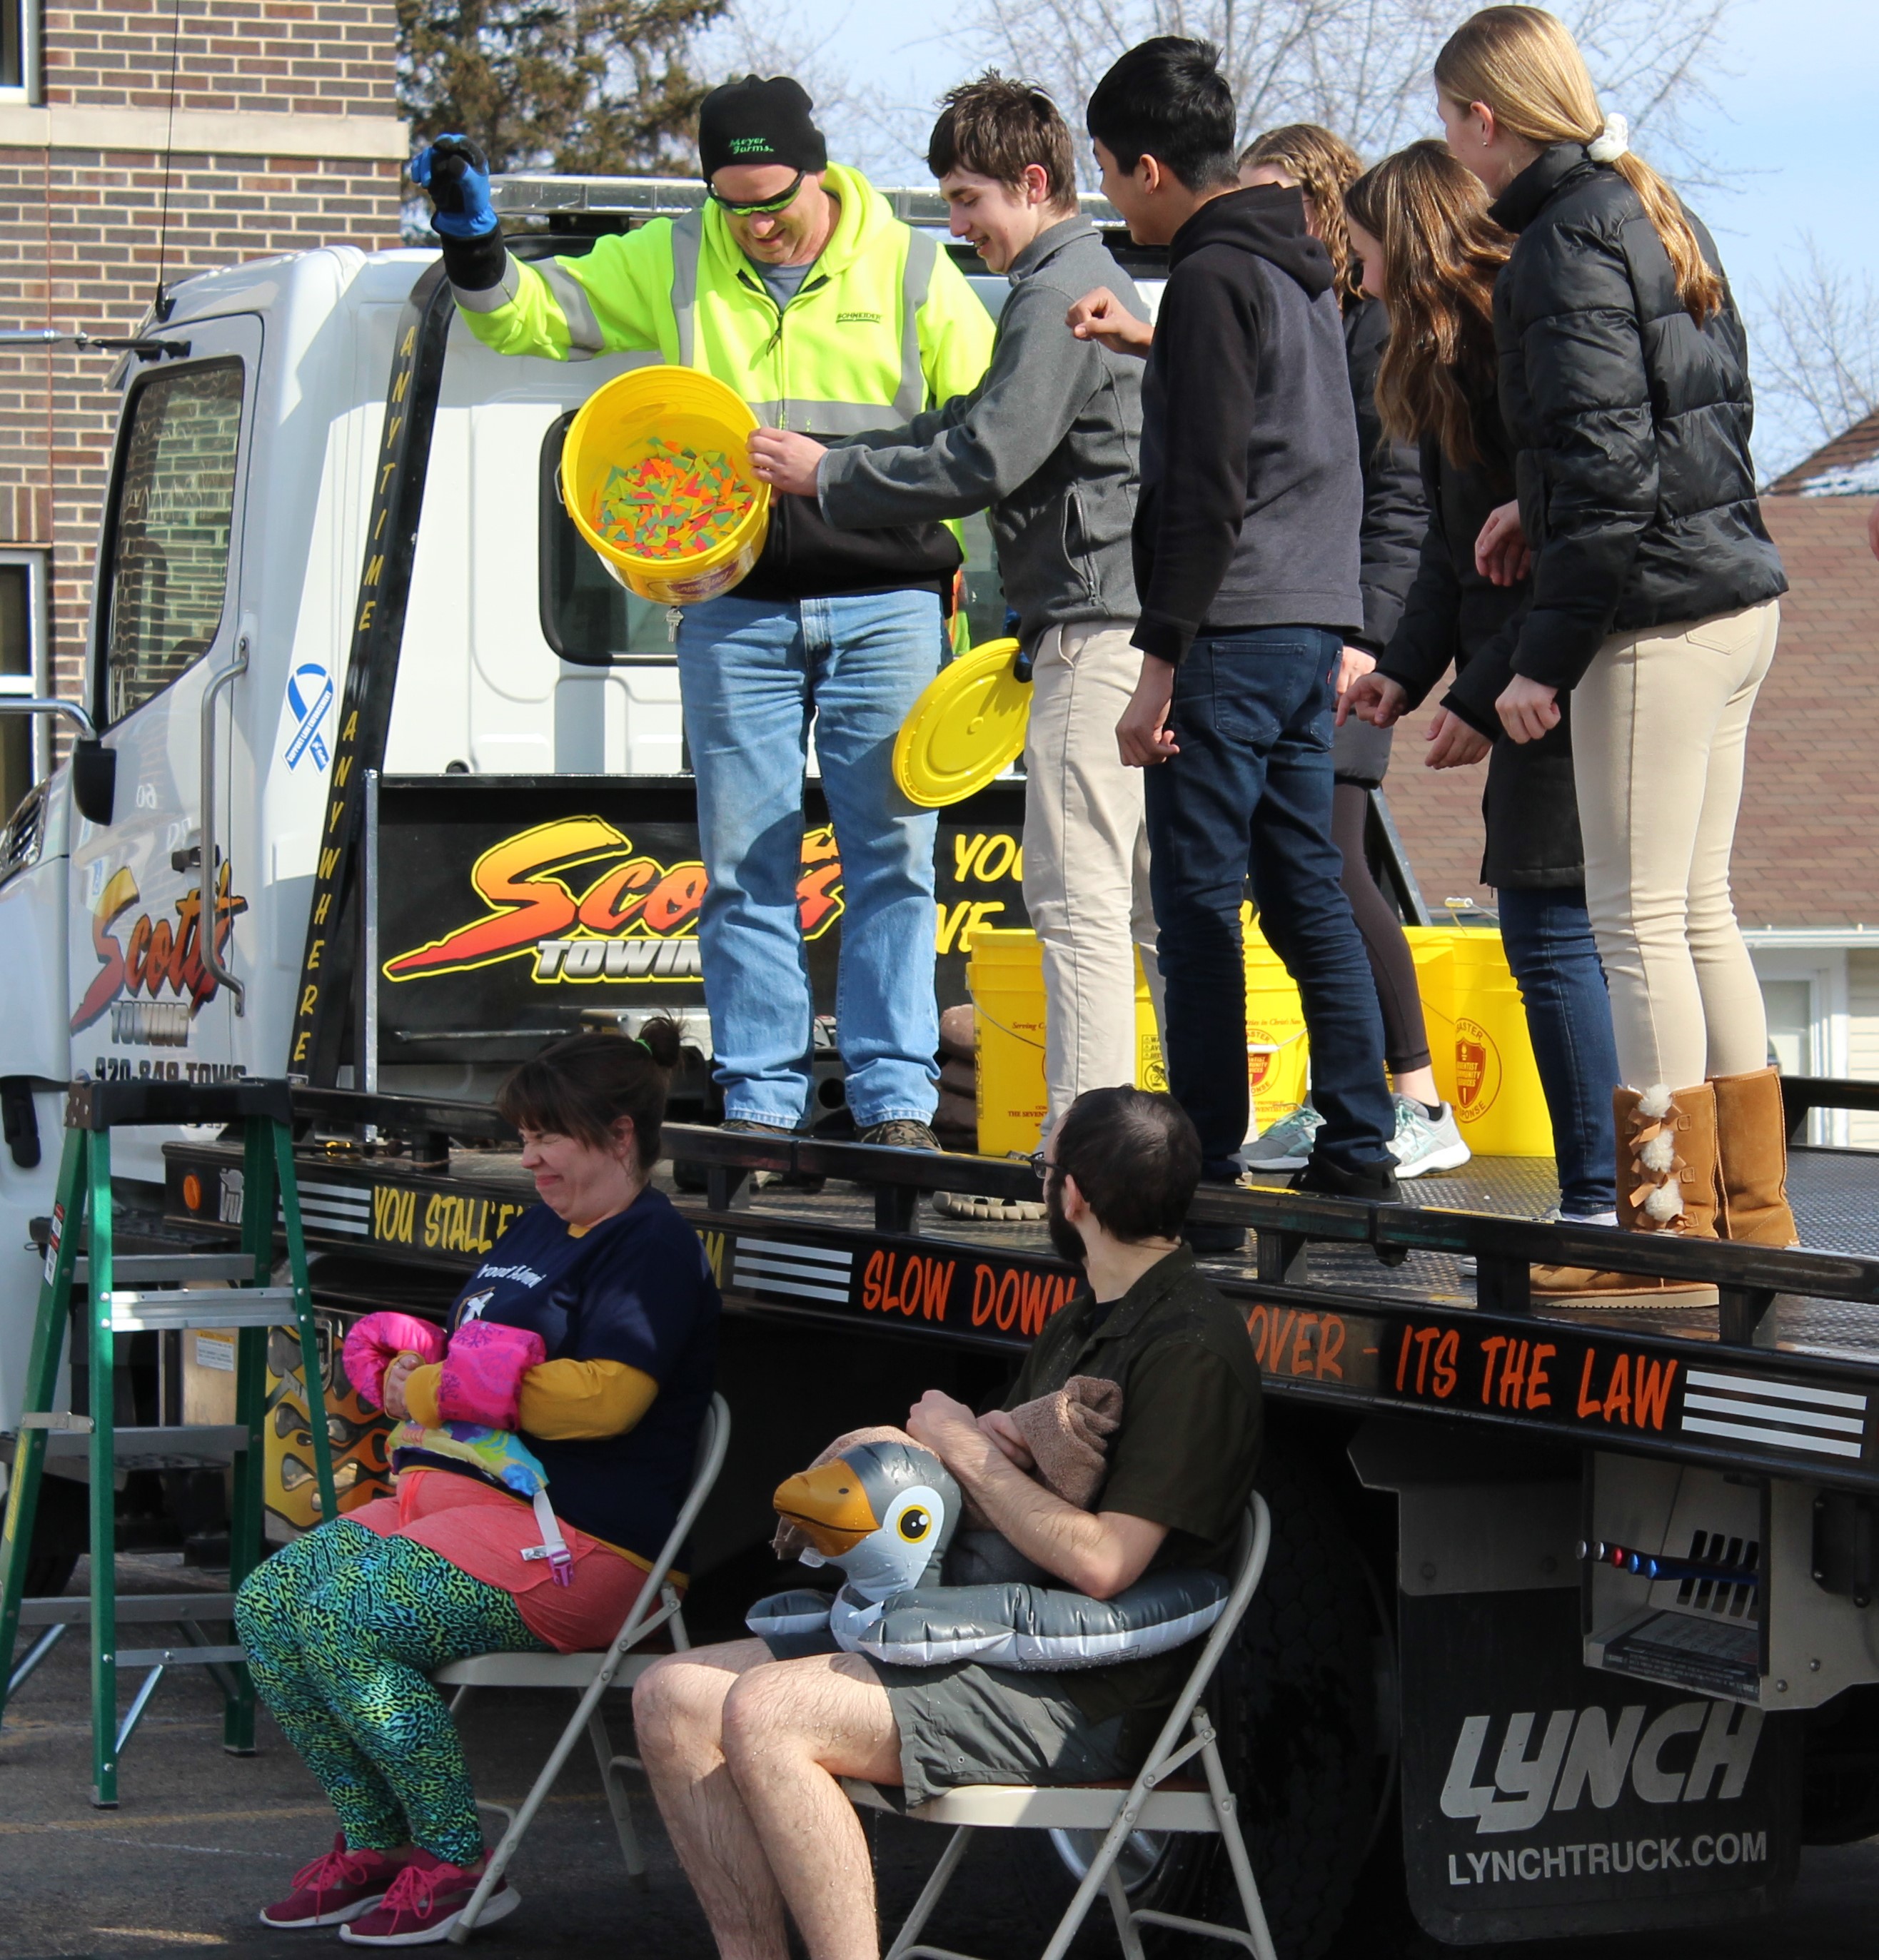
x,y
586,206
530,194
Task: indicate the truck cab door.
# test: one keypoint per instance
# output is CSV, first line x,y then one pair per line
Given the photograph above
x,y
167,626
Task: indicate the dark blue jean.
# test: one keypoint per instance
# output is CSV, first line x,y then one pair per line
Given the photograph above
x,y
1250,791
1548,936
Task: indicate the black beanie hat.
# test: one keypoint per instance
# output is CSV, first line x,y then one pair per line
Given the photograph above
x,y
756,121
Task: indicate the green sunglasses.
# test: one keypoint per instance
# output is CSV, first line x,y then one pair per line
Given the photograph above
x,y
767,207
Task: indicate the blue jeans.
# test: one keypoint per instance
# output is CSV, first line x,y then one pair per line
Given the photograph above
x,y
1548,936
754,674
1251,791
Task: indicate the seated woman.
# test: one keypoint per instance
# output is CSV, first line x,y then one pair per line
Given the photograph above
x,y
343,1627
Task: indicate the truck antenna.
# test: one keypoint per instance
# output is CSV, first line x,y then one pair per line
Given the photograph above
x,y
169,145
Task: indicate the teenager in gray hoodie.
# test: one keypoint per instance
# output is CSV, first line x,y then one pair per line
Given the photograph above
x,y
1048,443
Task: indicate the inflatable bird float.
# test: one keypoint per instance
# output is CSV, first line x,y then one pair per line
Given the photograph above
x,y
883,1513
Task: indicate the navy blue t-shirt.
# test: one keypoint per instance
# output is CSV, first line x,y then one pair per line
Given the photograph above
x,y
635,1288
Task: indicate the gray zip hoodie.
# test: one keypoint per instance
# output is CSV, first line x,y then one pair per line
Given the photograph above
x,y
1050,440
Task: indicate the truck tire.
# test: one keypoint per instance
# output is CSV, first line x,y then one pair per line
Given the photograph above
x,y
1295,1702
59,1537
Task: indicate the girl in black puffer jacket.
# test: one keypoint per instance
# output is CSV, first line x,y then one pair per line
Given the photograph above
x,y
1420,222
1624,386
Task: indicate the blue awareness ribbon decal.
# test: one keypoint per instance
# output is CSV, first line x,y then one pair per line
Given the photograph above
x,y
308,739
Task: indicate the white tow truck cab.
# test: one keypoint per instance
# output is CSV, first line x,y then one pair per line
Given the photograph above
x,y
235,556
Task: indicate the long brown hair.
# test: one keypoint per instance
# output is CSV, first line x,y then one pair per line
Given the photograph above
x,y
1324,167
1441,255
1524,64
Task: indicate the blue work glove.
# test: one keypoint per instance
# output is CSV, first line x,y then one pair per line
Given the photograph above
x,y
457,174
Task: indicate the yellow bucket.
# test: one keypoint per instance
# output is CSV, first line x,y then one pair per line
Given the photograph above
x,y
1499,1102
617,428
1432,948
1278,1055
1005,976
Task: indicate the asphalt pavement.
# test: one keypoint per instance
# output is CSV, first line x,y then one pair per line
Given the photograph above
x,y
201,1840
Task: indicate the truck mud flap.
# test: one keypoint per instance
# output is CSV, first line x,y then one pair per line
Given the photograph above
x,y
1542,1800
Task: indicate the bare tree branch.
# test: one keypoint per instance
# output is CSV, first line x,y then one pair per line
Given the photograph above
x,y
874,129
1816,342
1360,67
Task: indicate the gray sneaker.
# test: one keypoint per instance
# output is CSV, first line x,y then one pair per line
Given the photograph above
x,y
1424,1144
1286,1146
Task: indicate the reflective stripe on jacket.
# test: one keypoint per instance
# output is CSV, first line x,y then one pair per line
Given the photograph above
x,y
884,326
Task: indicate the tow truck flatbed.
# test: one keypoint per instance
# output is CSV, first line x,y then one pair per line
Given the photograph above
x,y
1358,1307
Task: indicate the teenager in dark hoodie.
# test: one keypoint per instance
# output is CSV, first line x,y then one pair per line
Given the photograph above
x,y
1246,548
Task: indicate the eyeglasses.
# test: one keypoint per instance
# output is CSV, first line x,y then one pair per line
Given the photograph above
x,y
764,208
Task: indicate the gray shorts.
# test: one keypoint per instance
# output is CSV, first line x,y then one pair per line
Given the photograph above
x,y
963,1723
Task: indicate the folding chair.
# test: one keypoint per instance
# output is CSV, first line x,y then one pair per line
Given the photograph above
x,y
593,1673
1157,1800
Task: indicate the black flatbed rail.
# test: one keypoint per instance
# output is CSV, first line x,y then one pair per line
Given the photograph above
x,y
1351,1306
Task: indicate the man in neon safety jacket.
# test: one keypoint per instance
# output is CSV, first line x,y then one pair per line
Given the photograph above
x,y
795,285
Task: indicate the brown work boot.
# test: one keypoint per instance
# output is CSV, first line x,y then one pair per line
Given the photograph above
x,y
1752,1160
1666,1182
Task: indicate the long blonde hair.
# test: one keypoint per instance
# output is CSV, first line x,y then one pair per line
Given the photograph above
x,y
1323,166
1441,253
1524,64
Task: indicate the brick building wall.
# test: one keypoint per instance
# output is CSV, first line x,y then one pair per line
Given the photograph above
x,y
282,135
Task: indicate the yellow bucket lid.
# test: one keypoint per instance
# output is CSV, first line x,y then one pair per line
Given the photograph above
x,y
967,727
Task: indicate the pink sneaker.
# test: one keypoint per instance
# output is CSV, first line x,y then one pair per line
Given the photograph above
x,y
338,1886
424,1903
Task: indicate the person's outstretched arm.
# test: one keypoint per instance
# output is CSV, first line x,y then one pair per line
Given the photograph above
x,y
978,448
616,298
1100,1553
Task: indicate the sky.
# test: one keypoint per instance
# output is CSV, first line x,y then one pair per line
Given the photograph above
x,y
1790,130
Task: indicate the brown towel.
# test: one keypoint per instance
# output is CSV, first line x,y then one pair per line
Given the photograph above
x,y
1068,1435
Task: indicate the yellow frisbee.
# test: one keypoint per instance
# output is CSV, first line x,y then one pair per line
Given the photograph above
x,y
967,727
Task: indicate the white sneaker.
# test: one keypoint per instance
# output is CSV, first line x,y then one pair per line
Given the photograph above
x,y
1422,1144
1286,1146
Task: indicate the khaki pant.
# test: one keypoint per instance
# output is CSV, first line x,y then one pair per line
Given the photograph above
x,y
1659,724
1086,860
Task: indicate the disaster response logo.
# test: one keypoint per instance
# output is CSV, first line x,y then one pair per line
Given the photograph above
x,y
156,959
575,897
1585,1761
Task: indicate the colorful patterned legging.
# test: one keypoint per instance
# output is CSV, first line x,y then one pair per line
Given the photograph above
x,y
342,1628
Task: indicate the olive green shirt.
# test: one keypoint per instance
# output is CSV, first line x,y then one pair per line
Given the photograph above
x,y
1184,1454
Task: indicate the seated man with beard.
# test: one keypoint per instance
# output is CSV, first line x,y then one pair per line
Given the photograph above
x,y
743,1750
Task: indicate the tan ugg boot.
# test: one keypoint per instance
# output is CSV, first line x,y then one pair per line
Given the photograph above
x,y
1667,1159
1666,1182
1752,1160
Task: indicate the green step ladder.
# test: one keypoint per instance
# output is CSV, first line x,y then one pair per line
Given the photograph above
x,y
161,1293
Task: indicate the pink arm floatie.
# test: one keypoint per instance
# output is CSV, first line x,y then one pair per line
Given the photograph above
x,y
373,1344
482,1381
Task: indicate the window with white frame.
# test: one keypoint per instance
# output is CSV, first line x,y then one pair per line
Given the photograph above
x,y
19,50
23,739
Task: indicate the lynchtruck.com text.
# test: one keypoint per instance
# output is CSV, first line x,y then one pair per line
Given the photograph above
x,y
1533,1864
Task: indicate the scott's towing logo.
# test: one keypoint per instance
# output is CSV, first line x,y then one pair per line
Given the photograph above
x,y
156,958
578,897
